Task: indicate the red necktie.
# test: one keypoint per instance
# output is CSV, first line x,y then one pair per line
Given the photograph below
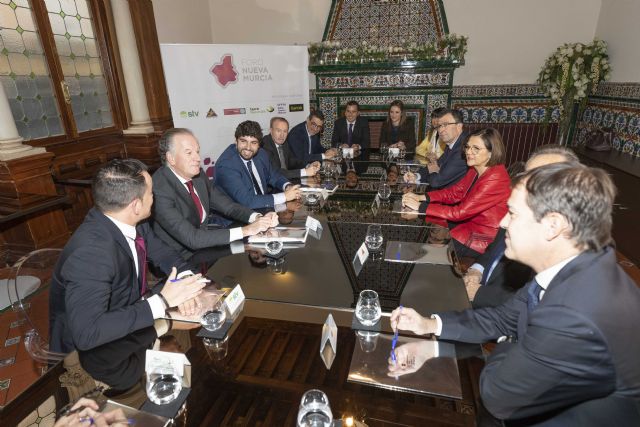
x,y
195,199
141,250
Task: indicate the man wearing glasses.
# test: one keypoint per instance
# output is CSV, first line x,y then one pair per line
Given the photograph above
x,y
452,165
304,140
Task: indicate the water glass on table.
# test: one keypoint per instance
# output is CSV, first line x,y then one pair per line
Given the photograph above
x,y
163,384
384,191
368,310
374,238
215,317
314,410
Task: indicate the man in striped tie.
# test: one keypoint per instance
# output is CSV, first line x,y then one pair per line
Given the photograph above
x,y
572,353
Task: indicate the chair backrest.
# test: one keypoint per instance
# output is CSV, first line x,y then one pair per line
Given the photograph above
x,y
29,296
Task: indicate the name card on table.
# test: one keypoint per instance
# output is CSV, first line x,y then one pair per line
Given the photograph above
x,y
394,152
361,256
157,361
347,153
313,224
375,205
234,300
329,336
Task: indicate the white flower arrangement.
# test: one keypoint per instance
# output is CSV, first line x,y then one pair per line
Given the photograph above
x,y
571,74
451,47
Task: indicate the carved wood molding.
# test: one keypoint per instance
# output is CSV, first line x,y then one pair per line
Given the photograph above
x,y
144,27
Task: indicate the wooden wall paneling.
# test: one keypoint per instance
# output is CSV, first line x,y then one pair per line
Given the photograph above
x,y
145,148
144,27
20,179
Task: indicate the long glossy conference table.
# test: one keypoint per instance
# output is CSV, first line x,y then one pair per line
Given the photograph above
x,y
257,375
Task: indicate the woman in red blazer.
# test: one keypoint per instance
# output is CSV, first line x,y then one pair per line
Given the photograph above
x,y
475,204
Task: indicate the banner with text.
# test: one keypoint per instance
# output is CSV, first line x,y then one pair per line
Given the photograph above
x,y
213,88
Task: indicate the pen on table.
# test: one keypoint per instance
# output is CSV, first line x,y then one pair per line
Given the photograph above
x,y
394,341
91,421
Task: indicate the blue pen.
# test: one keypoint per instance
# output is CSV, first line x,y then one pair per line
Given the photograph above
x,y
394,341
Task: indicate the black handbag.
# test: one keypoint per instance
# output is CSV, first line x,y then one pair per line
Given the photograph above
x,y
599,140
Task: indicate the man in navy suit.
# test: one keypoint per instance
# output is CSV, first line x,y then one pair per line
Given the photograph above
x,y
570,350
452,165
304,140
246,174
97,294
277,147
352,130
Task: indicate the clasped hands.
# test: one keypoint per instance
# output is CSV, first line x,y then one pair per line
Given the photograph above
x,y
413,200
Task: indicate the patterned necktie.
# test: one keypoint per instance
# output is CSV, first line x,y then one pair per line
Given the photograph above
x,y
283,164
256,186
350,134
533,291
141,250
195,199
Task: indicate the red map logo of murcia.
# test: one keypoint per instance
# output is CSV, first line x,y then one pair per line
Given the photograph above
x,y
224,71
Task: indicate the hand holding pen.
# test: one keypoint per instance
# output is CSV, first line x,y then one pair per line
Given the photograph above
x,y
394,341
85,413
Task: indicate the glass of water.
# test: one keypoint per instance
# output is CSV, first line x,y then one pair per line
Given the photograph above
x,y
368,310
314,410
374,239
214,318
384,191
163,384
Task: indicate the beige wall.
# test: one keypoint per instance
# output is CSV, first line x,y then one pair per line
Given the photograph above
x,y
268,21
618,26
509,40
182,21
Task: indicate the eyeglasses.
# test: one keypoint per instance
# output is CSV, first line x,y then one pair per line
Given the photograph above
x,y
444,125
315,125
474,150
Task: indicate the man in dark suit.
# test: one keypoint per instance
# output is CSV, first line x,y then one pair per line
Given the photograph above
x,y
277,147
245,173
184,198
96,292
452,165
352,131
571,357
304,140
494,278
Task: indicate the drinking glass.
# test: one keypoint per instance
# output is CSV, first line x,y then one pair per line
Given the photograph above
x,y
373,240
213,319
314,410
368,340
368,309
384,191
274,247
163,384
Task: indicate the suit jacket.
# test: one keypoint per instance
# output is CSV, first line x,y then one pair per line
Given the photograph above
x,y
360,134
176,219
476,208
506,278
233,177
406,133
453,166
94,296
293,163
298,139
575,361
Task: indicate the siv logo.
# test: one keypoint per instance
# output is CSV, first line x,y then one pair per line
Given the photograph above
x,y
189,114
224,71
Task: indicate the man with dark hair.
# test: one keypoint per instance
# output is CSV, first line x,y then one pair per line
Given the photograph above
x,y
97,290
452,165
245,173
184,197
432,147
494,278
352,130
304,140
570,356
277,147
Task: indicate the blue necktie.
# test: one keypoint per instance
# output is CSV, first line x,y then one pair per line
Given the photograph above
x,y
498,250
350,134
256,186
533,292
